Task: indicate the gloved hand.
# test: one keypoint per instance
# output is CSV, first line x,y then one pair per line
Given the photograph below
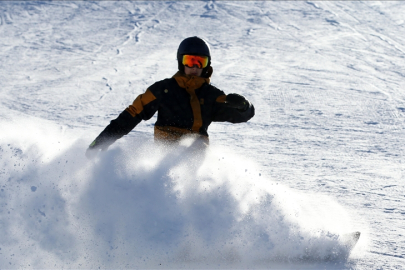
x,y
94,149
237,101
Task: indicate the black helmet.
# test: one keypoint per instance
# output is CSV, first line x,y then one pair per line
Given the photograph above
x,y
193,46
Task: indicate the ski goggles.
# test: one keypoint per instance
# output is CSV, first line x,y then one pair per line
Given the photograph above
x,y
195,60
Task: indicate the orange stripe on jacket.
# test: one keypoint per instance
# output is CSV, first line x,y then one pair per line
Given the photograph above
x,y
191,83
196,107
221,99
138,104
174,134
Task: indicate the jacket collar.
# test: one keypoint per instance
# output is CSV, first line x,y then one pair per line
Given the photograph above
x,y
190,83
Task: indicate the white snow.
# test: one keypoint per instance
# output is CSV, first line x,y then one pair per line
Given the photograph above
x,y
323,156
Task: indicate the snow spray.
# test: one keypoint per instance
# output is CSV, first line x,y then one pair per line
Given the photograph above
x,y
145,205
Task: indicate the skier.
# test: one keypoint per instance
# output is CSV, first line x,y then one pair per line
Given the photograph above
x,y
186,103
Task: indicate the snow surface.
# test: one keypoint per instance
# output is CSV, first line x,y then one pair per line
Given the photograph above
x,y
324,155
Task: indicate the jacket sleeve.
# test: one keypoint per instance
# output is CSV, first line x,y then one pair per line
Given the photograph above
x,y
223,113
143,108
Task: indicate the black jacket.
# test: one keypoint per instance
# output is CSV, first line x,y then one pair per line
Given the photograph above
x,y
185,104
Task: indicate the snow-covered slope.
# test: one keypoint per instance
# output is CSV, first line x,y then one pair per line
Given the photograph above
x,y
324,155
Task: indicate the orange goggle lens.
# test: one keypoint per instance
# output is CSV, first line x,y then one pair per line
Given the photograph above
x,y
195,60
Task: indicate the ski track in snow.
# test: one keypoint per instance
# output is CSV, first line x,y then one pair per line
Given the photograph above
x,y
327,81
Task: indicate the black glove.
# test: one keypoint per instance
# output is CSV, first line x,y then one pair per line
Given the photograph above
x,y
94,149
107,137
237,101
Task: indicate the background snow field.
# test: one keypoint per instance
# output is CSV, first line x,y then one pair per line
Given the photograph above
x,y
323,157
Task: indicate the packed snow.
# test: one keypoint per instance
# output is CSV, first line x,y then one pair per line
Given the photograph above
x,y
322,158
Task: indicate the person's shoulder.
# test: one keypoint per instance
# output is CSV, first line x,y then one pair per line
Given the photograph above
x,y
164,81
160,85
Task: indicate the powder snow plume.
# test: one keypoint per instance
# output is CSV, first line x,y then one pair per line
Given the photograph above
x,y
143,205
